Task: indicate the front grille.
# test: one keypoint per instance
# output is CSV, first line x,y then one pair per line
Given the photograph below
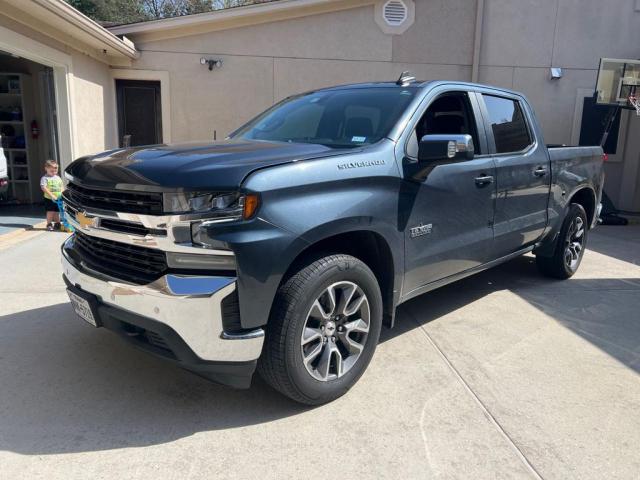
x,y
128,262
115,200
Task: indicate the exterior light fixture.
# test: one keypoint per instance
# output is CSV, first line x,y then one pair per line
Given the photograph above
x,y
211,62
556,73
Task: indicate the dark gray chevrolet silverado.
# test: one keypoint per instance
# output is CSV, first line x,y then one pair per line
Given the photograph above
x,y
286,247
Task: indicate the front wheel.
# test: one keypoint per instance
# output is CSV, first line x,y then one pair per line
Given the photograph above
x,y
323,330
570,246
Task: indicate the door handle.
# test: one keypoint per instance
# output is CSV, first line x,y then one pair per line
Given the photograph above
x,y
540,172
484,180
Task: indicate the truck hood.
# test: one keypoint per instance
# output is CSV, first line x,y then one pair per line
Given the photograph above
x,y
194,166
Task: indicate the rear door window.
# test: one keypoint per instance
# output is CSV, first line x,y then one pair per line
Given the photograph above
x,y
508,124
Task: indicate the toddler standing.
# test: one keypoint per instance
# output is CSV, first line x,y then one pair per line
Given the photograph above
x,y
52,186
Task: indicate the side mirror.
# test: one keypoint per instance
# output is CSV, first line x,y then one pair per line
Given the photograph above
x,y
445,148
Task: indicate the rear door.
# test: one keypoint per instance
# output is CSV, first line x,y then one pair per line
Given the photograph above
x,y
523,173
446,212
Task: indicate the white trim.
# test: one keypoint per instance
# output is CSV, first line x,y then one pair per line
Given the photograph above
x,y
165,95
74,17
30,49
255,13
59,15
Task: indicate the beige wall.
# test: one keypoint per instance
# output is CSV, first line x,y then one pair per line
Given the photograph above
x,y
265,63
520,42
94,110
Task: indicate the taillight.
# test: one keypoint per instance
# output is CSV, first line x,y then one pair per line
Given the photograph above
x,y
605,157
3,182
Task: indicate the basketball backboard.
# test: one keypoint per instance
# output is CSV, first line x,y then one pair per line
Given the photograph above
x,y
618,80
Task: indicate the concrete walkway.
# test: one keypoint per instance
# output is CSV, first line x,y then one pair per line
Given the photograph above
x,y
503,375
21,217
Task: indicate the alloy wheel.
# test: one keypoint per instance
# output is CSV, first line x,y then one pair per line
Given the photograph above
x,y
574,243
335,331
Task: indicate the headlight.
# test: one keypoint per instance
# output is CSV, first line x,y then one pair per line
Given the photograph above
x,y
216,206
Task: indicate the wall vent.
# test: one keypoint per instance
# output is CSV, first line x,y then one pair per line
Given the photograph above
x,y
394,13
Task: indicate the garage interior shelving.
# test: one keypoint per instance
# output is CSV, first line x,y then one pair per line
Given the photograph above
x,y
13,131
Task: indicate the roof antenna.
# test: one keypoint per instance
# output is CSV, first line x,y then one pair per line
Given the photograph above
x,y
405,79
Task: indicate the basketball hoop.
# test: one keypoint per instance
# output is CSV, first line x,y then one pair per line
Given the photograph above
x,y
633,100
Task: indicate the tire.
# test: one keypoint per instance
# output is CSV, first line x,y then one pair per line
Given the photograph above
x,y
570,246
308,369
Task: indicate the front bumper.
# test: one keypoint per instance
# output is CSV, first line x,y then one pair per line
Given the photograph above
x,y
184,311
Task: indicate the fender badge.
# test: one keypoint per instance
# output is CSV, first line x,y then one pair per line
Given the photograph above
x,y
421,230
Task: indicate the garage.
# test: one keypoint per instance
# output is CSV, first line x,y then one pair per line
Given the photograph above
x,y
28,126
57,97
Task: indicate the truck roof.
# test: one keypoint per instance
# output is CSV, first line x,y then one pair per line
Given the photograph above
x,y
416,84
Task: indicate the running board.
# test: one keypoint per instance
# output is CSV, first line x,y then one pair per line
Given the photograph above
x,y
459,276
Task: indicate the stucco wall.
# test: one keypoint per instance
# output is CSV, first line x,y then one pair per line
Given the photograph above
x,y
520,42
265,63
92,91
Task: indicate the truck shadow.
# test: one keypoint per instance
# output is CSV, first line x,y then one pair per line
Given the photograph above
x,y
603,311
66,387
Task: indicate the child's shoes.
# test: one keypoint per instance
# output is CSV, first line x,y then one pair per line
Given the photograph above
x,y
50,227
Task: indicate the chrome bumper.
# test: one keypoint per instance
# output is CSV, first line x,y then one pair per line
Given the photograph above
x,y
190,305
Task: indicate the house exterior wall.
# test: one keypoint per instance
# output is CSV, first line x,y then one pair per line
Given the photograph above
x,y
520,41
267,62
93,97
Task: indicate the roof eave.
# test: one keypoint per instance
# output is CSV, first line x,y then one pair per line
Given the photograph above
x,y
63,18
84,23
238,16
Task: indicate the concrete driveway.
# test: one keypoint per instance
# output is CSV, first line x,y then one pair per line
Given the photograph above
x,y
502,375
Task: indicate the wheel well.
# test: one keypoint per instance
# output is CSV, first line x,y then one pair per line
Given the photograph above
x,y
587,199
369,247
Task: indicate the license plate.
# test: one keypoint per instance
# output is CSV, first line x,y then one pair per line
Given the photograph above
x,y
82,308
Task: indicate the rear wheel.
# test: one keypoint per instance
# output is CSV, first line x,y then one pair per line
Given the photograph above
x,y
570,246
323,330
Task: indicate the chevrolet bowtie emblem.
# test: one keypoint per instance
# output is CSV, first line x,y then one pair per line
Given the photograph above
x,y
86,222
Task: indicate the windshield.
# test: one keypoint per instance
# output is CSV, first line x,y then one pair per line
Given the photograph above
x,y
335,118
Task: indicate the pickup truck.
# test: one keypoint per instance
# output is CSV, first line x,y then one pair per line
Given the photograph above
x,y
287,247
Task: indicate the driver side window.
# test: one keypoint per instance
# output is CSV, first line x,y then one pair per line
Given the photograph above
x,y
450,113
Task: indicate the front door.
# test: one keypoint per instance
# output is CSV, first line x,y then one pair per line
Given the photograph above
x,y
139,112
449,212
523,175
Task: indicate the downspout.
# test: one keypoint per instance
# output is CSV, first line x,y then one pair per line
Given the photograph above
x,y
477,41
